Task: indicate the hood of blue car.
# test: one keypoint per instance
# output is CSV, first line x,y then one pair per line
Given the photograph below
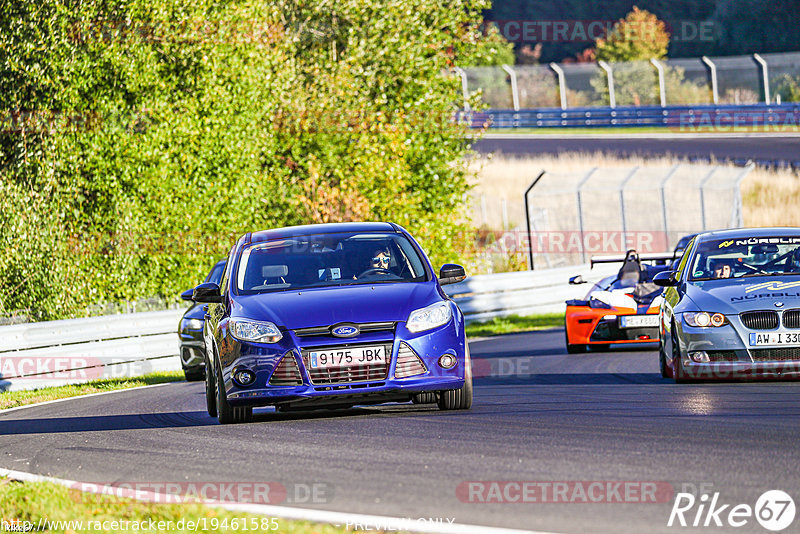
x,y
331,305
734,296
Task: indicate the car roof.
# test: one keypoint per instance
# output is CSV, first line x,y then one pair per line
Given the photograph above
x,y
315,229
749,232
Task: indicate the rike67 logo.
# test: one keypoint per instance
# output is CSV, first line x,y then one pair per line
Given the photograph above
x,y
774,510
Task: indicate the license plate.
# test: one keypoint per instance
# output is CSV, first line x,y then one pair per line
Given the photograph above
x,y
775,338
334,358
638,321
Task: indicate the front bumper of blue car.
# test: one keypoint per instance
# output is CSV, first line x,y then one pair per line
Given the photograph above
x,y
284,372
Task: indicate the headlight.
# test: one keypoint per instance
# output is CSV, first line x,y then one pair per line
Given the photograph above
x,y
429,317
193,324
259,331
704,319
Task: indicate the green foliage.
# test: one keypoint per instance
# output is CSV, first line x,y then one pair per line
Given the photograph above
x,y
639,36
788,87
492,50
140,139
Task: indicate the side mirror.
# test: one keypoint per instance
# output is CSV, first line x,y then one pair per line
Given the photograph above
x,y
576,280
206,292
187,295
666,279
451,273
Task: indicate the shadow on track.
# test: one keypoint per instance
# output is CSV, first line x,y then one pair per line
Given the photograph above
x,y
99,423
573,379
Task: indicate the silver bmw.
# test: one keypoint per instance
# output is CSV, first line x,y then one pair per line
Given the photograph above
x,y
731,310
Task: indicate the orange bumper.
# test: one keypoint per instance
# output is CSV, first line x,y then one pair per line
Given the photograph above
x,y
598,326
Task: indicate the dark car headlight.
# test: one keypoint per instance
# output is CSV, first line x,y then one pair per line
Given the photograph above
x,y
258,331
705,319
429,317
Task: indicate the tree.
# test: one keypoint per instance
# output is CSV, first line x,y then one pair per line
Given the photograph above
x,y
631,43
639,36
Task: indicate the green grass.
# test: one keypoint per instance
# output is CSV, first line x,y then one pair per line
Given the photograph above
x,y
12,399
35,501
515,323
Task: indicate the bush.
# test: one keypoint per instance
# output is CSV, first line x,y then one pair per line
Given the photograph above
x,y
142,138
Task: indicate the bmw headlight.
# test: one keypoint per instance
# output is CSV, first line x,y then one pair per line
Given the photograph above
x,y
704,319
258,331
429,317
193,324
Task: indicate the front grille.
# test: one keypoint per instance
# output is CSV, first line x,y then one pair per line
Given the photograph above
x,y
352,373
791,318
408,363
610,331
387,326
287,373
760,320
722,356
776,355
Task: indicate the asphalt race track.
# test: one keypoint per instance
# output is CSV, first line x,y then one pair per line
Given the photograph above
x,y
539,415
763,149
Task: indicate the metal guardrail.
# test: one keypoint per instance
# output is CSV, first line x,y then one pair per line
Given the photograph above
x,y
484,297
35,355
681,118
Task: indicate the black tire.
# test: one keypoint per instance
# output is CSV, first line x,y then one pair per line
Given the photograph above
x,y
678,372
429,397
662,358
211,391
194,374
458,399
662,362
227,414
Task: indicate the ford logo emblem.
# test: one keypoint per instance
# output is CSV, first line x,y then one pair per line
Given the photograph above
x,y
345,330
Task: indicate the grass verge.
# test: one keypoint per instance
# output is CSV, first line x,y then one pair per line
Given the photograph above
x,y
515,323
12,399
33,502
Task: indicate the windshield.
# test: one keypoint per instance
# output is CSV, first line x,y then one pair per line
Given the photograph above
x,y
328,260
749,257
216,273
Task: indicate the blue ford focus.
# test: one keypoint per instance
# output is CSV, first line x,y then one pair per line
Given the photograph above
x,y
332,316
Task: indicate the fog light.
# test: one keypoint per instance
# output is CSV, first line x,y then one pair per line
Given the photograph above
x,y
609,317
700,357
244,377
447,361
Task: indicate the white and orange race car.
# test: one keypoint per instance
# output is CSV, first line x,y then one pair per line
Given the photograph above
x,y
622,308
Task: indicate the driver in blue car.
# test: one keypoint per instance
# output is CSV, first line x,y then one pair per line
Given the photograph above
x,y
722,269
378,263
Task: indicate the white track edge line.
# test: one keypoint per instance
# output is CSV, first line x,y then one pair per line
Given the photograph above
x,y
54,401
376,522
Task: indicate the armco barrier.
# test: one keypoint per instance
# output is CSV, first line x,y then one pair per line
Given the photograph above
x,y
34,355
757,117
483,297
